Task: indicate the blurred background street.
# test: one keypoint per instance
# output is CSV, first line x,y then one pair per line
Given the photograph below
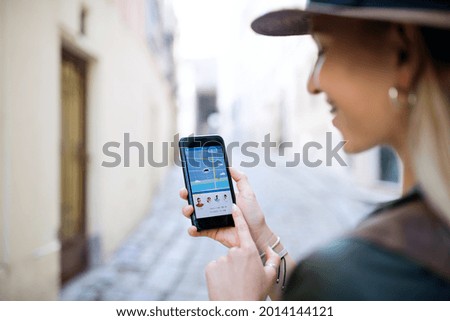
x,y
159,261
94,95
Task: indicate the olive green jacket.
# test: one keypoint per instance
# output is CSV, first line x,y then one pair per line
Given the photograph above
x,y
400,252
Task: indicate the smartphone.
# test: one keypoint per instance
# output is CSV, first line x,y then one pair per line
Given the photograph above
x,y
208,181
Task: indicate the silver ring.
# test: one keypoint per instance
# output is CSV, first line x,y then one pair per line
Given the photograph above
x,y
272,265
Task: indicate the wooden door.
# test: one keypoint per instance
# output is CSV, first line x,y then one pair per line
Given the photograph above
x,y
73,166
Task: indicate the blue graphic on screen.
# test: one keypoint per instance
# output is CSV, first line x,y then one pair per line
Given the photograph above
x,y
207,170
209,181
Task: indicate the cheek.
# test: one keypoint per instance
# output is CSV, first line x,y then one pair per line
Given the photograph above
x,y
360,92
363,114
357,83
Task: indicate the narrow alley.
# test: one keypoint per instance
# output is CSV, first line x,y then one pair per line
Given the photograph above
x,y
160,261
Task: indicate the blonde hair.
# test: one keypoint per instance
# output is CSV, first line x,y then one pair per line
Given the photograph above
x,y
429,137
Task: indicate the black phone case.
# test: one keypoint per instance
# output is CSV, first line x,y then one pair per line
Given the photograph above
x,y
217,221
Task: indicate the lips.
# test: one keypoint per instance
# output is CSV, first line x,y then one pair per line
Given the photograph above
x,y
332,105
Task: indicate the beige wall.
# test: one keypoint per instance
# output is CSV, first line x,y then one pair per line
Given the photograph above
x,y
126,93
30,156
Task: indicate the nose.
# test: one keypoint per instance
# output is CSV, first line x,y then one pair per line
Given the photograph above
x,y
312,89
314,78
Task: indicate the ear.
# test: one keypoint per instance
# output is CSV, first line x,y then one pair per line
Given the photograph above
x,y
405,38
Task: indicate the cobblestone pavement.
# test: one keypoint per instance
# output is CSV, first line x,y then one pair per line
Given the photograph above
x,y
160,261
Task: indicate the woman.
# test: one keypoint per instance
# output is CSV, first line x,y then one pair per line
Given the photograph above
x,y
385,73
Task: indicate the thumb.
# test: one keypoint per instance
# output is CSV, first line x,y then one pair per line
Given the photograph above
x,y
272,266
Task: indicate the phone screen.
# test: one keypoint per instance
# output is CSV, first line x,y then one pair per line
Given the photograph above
x,y
209,182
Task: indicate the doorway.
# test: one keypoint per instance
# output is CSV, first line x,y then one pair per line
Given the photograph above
x,y
73,166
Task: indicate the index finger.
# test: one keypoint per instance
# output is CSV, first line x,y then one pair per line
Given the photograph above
x,y
245,238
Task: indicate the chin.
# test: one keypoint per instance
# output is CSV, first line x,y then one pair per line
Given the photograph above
x,y
356,142
352,148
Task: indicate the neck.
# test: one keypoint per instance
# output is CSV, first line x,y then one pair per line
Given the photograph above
x,y
409,180
408,177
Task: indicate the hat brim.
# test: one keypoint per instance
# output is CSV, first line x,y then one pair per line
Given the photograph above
x,y
291,22
288,22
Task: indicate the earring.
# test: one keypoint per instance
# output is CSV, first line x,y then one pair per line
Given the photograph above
x,y
393,96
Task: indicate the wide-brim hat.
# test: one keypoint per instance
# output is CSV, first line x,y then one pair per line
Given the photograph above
x,y
296,20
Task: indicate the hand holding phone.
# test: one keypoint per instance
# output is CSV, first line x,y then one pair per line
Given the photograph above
x,y
208,181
